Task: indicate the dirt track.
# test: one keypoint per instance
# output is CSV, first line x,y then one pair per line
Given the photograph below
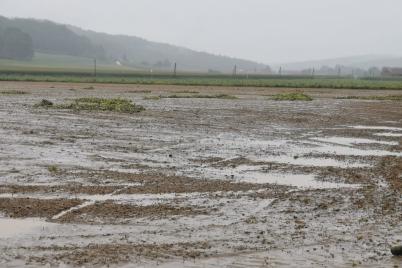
x,y
249,182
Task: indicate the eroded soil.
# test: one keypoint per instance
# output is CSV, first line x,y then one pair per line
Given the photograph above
x,y
109,211
30,207
246,182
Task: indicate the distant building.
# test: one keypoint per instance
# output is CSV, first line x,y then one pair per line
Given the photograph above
x,y
391,71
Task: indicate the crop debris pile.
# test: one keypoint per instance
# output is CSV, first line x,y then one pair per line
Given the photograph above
x,y
97,104
296,96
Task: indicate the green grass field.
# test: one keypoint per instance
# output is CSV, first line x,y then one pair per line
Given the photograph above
x,y
59,63
55,68
333,83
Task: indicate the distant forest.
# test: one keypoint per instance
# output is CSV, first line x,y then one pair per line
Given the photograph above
x,y
20,38
48,37
15,44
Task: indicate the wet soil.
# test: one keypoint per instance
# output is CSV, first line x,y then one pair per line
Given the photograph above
x,y
247,182
46,189
98,254
143,184
110,212
28,207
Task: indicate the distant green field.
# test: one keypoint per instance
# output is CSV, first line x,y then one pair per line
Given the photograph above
x,y
59,63
208,81
55,68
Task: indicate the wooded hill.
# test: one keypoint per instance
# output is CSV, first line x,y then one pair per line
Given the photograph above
x,y
53,38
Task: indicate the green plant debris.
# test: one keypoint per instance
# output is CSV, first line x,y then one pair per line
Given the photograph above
x,y
100,104
53,169
186,92
44,103
145,91
216,96
295,96
152,98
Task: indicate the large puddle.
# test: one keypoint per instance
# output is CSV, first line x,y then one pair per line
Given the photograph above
x,y
352,141
22,227
297,180
377,128
388,134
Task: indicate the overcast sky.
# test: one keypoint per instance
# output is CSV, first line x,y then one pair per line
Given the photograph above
x,y
268,31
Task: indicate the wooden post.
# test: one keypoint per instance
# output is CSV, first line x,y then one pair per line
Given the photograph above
x,y
175,69
95,68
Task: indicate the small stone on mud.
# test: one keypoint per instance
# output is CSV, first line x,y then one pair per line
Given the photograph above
x,y
396,250
45,102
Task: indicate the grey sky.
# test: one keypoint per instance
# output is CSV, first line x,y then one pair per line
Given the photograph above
x,y
267,31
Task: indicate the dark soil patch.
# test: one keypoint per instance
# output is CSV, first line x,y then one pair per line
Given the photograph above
x,y
73,189
160,184
29,207
109,212
100,254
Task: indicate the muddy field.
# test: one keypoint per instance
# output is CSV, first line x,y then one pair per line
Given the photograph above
x,y
197,182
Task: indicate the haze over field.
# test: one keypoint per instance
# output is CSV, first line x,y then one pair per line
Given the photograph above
x,y
267,31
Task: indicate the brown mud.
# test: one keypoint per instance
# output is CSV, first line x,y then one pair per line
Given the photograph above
x,y
28,207
108,212
191,182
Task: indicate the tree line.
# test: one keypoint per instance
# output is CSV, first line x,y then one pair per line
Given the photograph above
x,y
19,38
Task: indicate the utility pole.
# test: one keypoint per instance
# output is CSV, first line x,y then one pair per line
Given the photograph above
x,y
280,71
313,72
235,70
175,69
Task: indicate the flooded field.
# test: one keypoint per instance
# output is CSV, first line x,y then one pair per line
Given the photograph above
x,y
199,182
